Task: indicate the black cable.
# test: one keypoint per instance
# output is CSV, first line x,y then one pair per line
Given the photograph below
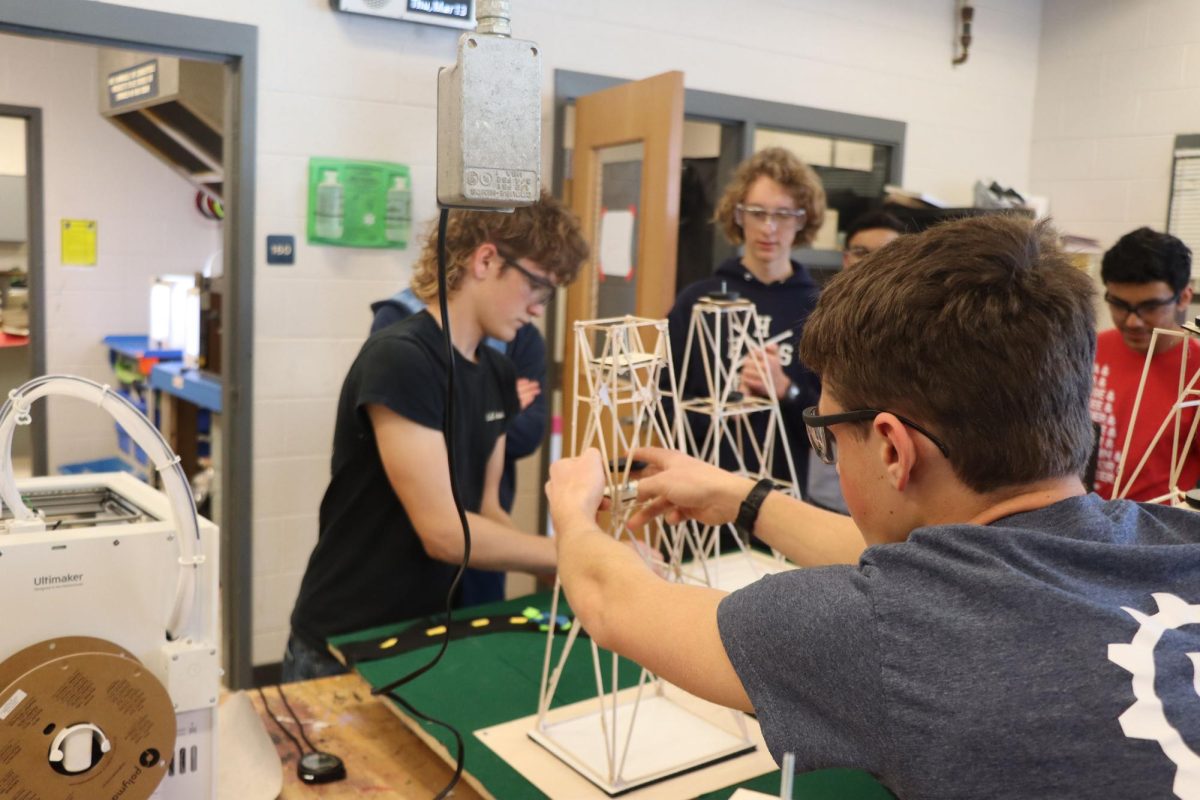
x,y
275,719
295,717
460,761
448,434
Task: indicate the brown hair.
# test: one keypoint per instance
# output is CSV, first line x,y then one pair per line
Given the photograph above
x,y
979,329
796,178
544,232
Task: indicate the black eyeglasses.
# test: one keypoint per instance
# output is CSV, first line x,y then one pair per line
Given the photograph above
x,y
1141,309
543,290
825,446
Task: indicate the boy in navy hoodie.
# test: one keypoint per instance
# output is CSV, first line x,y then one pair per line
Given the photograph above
x,y
774,203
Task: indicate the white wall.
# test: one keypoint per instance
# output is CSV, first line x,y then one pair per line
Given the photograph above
x,y
148,225
1116,81
355,87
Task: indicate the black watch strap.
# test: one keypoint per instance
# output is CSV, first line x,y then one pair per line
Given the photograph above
x,y
748,512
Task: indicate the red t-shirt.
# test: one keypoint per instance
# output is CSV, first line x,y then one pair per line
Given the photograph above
x,y
1115,378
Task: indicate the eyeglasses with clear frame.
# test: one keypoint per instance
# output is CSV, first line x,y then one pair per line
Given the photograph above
x,y
1142,309
780,217
825,445
543,290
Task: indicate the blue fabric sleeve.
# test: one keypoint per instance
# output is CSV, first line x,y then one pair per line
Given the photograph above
x,y
387,313
528,428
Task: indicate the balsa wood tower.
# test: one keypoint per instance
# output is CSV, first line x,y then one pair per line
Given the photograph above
x,y
630,737
722,425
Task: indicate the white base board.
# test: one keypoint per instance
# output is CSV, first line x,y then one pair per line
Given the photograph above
x,y
696,732
732,571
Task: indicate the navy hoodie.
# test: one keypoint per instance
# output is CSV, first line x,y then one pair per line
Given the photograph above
x,y
787,304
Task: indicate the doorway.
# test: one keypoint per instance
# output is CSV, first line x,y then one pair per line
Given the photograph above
x,y
234,47
21,355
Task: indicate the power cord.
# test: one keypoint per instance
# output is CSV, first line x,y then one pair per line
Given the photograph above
x,y
448,434
315,766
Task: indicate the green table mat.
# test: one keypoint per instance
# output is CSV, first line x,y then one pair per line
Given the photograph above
x,y
493,678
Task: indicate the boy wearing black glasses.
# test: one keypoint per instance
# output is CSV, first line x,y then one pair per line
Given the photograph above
x,y
981,626
390,538
1146,276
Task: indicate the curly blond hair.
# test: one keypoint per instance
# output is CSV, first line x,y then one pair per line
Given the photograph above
x,y
796,178
545,233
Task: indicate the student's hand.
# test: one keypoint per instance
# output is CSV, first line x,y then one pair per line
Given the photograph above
x,y
576,489
758,363
527,391
680,487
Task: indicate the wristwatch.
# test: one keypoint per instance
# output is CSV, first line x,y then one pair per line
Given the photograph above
x,y
748,511
792,394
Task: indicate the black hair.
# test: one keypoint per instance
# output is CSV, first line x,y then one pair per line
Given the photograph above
x,y
872,220
1146,256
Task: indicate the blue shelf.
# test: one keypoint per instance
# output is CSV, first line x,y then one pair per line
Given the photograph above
x,y
138,346
188,384
113,464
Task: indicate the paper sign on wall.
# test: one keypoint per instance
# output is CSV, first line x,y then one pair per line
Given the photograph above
x,y
617,242
79,242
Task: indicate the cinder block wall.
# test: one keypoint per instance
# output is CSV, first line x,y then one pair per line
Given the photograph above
x,y
337,85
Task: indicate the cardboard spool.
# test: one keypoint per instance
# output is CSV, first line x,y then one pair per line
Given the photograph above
x,y
83,684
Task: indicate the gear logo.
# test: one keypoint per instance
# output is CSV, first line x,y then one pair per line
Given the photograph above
x,y
1145,719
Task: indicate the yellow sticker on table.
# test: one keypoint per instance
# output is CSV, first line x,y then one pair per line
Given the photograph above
x,y
79,242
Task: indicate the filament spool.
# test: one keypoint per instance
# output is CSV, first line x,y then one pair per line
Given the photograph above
x,y
71,687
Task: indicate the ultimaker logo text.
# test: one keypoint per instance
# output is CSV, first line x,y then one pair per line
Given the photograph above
x,y
57,581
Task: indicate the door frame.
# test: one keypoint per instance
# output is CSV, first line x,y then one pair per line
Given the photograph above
x,y
35,262
235,45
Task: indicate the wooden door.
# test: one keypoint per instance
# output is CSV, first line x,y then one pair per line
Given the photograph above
x,y
626,163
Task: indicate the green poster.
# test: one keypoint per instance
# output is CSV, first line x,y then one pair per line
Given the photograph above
x,y
359,203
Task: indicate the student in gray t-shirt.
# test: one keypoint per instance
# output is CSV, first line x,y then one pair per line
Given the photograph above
x,y
980,626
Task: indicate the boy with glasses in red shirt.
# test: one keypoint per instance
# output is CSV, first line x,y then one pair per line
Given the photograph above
x,y
1145,275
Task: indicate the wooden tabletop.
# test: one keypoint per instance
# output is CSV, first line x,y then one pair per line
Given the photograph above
x,y
383,758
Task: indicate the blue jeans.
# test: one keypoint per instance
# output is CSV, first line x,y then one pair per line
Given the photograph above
x,y
302,662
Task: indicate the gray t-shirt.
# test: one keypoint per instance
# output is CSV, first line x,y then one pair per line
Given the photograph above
x,y
990,661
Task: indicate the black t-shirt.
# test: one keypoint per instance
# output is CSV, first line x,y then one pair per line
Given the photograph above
x,y
369,567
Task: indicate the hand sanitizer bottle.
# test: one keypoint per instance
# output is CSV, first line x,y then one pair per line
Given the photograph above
x,y
330,206
399,211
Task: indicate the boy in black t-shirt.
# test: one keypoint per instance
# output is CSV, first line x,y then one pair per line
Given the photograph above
x,y
390,535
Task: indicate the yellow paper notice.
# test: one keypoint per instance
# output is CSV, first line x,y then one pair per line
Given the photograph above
x,y
79,242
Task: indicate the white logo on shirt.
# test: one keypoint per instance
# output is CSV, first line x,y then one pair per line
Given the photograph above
x,y
493,416
787,350
1145,719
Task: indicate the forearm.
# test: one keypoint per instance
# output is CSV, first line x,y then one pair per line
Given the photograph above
x,y
599,575
807,535
495,512
494,545
668,628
